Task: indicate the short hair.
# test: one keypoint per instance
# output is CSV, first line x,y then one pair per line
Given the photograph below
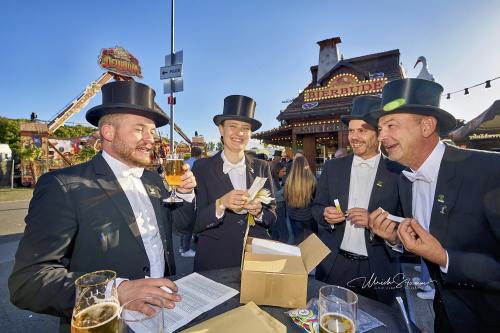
x,y
110,119
196,152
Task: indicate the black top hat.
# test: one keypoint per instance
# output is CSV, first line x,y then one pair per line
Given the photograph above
x,y
415,96
238,107
127,97
362,108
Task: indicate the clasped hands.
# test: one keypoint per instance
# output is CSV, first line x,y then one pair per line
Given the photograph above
x,y
237,200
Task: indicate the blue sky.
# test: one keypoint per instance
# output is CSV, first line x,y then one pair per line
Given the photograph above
x,y
262,49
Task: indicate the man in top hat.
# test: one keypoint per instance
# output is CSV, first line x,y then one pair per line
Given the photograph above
x,y
454,198
222,197
362,183
103,214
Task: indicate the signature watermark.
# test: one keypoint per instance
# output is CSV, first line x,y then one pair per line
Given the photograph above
x,y
397,281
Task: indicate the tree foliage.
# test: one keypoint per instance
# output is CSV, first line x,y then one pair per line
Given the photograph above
x,y
64,132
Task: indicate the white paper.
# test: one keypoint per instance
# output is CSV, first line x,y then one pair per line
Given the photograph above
x,y
257,185
264,246
396,219
199,294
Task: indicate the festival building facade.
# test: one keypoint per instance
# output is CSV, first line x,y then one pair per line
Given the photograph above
x,y
311,122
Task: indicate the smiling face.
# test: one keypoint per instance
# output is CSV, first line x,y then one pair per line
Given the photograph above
x,y
235,134
363,139
129,138
403,135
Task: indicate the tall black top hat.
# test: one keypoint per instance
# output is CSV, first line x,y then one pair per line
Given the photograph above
x,y
362,108
238,107
415,96
127,97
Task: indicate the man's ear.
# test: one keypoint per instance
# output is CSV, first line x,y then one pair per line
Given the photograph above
x,y
428,126
108,132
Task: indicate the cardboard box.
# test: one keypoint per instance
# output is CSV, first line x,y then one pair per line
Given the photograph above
x,y
279,280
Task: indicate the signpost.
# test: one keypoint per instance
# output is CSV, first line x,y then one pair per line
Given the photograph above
x,y
172,73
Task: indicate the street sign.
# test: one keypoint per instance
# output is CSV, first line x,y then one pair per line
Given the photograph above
x,y
173,85
174,59
170,72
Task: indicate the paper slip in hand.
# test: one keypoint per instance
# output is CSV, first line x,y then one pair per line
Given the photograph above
x,y
396,219
264,246
257,185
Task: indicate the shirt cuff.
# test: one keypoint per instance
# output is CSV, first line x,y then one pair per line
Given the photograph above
x,y
118,281
259,217
445,268
189,197
219,216
397,247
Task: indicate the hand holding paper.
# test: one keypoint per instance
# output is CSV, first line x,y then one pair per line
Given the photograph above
x,y
382,226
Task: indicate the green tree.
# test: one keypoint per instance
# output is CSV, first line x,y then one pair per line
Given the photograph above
x,y
220,146
9,133
31,154
74,131
85,154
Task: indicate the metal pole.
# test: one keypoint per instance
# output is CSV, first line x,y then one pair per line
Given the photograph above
x,y
171,81
12,173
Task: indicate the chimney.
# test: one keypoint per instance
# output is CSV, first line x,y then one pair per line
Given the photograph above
x,y
329,56
314,74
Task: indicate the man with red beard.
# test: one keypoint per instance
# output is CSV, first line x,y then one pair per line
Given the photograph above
x,y
453,195
103,214
362,183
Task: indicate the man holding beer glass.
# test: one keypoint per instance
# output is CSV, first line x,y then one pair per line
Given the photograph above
x,y
223,206
105,214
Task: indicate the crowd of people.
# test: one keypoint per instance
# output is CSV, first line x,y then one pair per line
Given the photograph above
x,y
422,197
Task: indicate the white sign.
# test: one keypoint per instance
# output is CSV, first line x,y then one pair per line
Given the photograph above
x,y
170,72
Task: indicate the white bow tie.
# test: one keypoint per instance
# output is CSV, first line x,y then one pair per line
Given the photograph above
x,y
357,161
134,172
226,167
413,176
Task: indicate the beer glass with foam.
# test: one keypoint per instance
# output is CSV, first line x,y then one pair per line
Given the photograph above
x,y
337,309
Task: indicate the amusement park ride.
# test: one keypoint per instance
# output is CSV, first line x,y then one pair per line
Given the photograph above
x,y
120,65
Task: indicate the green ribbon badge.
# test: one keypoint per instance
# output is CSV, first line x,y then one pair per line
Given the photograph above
x,y
441,198
392,105
380,183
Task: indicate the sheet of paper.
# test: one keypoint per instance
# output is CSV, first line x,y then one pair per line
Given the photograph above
x,y
257,185
366,322
199,294
264,246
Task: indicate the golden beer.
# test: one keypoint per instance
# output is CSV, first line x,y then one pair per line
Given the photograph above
x,y
98,318
174,171
332,322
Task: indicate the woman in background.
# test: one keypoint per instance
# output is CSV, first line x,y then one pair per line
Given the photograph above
x,y
279,230
300,187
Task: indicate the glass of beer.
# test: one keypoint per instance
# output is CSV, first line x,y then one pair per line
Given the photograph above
x,y
97,307
173,175
143,315
337,308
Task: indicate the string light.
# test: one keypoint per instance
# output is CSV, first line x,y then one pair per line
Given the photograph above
x,y
487,84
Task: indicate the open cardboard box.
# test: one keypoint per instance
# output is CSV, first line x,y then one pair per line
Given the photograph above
x,y
279,280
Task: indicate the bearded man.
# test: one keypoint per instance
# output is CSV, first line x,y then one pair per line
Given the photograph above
x,y
107,213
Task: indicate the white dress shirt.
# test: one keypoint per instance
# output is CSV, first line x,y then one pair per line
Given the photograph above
x,y
363,173
424,188
130,182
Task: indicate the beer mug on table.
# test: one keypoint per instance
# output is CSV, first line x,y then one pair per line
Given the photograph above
x,y
97,307
173,174
337,309
143,315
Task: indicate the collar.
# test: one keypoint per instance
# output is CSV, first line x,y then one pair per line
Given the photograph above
x,y
120,169
430,168
371,162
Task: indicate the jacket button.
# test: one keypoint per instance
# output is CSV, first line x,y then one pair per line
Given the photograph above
x,y
168,252
145,269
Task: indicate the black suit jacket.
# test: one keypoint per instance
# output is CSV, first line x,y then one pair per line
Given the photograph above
x,y
220,241
80,221
334,184
465,219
